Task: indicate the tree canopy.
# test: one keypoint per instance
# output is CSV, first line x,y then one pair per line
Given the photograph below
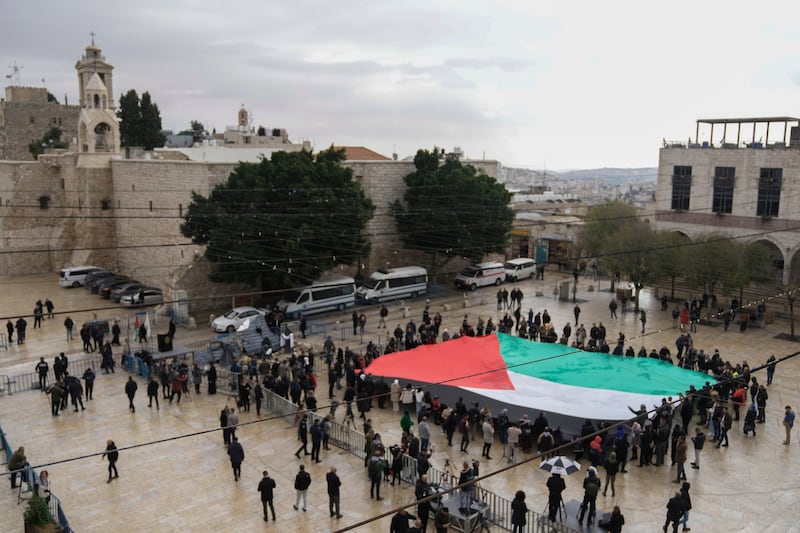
x,y
139,121
283,221
51,139
450,209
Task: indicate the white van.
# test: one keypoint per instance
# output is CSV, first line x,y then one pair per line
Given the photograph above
x,y
390,283
521,268
480,275
322,296
75,276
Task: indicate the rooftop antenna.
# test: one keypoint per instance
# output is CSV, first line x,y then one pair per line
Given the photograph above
x,y
15,73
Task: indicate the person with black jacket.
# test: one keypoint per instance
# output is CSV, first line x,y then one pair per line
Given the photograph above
x,y
266,487
113,455
334,483
675,509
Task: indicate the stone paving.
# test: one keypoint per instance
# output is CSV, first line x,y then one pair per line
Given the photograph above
x,y
183,480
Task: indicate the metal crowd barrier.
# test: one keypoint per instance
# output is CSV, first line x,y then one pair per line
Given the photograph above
x,y
30,380
31,477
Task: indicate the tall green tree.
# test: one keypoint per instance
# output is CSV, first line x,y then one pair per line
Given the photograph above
x,y
670,256
51,139
753,264
283,221
139,121
631,252
450,209
602,222
709,261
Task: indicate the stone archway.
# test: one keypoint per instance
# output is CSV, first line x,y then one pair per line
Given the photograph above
x,y
778,262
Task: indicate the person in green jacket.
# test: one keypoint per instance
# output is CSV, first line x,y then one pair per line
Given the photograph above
x,y
405,422
16,464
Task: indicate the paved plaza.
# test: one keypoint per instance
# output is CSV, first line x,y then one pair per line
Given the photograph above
x,y
183,481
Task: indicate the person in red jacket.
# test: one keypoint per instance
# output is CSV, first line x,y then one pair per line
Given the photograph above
x,y
739,398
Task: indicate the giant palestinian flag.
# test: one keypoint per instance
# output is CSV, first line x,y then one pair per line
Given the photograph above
x,y
554,378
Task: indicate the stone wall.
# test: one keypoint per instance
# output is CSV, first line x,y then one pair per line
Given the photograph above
x,y
383,182
22,122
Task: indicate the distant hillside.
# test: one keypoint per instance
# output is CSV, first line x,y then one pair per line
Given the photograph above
x,y
523,178
613,175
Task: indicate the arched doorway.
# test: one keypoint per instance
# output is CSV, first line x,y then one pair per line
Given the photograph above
x,y
776,275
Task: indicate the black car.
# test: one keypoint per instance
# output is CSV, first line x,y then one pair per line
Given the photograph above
x,y
105,282
107,288
93,278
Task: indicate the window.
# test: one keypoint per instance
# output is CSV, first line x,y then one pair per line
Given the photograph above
x,y
769,192
681,187
722,201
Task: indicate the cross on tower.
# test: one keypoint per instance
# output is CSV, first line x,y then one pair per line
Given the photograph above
x,y
92,34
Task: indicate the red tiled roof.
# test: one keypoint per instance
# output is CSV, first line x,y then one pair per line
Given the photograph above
x,y
362,153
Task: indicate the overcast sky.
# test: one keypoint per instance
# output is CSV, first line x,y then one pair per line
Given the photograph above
x,y
553,85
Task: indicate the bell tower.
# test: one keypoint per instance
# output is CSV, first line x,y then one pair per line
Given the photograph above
x,y
98,129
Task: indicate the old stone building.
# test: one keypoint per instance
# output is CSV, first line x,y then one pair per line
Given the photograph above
x,y
26,115
90,205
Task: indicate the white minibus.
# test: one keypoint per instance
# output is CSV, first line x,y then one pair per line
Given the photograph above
x,y
75,276
521,268
391,283
321,296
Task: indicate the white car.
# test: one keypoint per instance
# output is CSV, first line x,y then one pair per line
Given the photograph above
x,y
234,318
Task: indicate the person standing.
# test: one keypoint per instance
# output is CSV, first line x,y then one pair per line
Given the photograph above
x,y
233,421
681,450
88,381
591,486
465,478
197,377
424,434
130,390
675,509
301,483
488,437
643,319
212,379
771,362
383,314
442,519
236,454
258,396
421,491
266,487
223,423
21,325
316,440
10,329
152,391
698,441
302,436
115,332
725,424
519,512
355,322
788,423
333,492
616,521
42,368
611,465
555,486
375,470
56,393
113,455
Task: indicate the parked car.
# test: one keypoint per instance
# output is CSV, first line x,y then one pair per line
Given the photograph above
x,y
107,288
94,277
105,282
145,296
126,289
234,318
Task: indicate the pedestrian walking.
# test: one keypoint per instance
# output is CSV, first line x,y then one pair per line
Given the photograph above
x,y
698,441
334,483
301,483
236,454
130,391
687,505
316,440
267,487
675,509
113,455
152,392
302,436
643,318
611,465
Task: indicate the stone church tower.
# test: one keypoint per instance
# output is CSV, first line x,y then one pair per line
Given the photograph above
x,y
98,129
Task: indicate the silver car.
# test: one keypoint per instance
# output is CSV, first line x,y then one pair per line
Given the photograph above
x,y
147,296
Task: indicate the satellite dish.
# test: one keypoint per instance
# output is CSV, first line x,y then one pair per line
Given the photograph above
x,y
245,325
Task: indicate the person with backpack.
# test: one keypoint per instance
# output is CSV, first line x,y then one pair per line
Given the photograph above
x,y
591,486
301,483
375,470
